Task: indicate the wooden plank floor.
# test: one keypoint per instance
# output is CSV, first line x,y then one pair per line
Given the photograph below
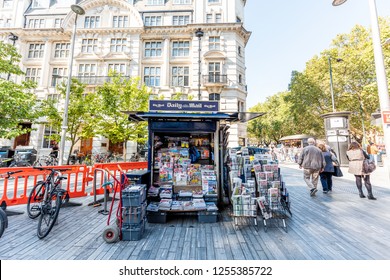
x,y
336,226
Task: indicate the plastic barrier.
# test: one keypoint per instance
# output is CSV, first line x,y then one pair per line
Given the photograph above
x,y
16,189
100,176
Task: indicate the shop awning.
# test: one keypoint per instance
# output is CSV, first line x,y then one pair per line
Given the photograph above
x,y
296,137
174,116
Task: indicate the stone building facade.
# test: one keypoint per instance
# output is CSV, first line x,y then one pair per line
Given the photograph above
x,y
153,39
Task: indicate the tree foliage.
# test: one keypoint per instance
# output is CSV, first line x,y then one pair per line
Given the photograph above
x,y
81,113
18,103
309,96
116,98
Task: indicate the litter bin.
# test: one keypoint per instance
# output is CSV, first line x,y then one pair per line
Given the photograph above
x,y
5,153
28,153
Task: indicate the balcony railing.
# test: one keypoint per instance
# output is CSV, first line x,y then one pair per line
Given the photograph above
x,y
96,80
213,79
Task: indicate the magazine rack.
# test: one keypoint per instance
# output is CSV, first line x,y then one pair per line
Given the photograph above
x,y
273,210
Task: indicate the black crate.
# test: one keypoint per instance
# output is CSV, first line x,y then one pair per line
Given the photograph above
x,y
211,198
133,196
156,217
133,232
134,215
207,217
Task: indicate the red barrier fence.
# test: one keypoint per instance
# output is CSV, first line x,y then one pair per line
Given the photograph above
x,y
15,190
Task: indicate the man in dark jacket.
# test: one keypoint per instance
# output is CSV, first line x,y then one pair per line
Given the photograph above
x,y
312,161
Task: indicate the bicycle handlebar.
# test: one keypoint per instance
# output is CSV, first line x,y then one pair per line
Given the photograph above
x,y
9,173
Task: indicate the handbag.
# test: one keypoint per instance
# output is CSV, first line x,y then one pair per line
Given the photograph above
x,y
337,171
368,166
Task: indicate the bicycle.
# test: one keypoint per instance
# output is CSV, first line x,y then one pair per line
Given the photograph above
x,y
45,200
19,160
3,214
46,161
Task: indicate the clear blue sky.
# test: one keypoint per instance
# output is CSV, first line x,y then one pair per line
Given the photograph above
x,y
288,33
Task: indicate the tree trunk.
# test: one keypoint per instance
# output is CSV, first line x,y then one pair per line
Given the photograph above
x,y
124,150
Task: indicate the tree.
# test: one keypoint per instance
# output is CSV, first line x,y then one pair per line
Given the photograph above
x,y
82,109
18,103
309,95
116,98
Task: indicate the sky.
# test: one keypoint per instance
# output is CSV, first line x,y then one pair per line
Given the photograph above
x,y
288,33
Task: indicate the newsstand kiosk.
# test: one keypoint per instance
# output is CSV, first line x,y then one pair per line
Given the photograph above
x,y
186,148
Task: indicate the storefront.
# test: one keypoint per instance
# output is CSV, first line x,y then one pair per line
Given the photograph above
x,y
187,144
298,141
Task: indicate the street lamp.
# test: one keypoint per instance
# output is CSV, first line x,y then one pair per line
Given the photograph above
x,y
383,93
199,33
13,38
331,80
78,11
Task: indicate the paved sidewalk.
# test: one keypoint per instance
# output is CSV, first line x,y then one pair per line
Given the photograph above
x,y
379,178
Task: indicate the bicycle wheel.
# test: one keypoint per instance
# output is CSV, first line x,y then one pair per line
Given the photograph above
x,y
49,214
34,200
3,221
37,163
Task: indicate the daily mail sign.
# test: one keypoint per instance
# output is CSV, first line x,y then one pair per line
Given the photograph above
x,y
183,105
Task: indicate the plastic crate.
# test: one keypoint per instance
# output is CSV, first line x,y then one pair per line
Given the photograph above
x,y
156,217
207,217
211,198
133,196
133,232
134,215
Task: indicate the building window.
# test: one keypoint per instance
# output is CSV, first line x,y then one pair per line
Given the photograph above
x,y
218,18
214,43
214,96
61,50
59,76
180,48
92,22
87,70
120,21
181,20
239,50
152,76
33,74
118,68
88,45
155,2
36,50
180,76
240,106
7,3
153,49
49,134
58,22
36,23
118,45
153,21
209,18
238,19
182,2
240,79
214,72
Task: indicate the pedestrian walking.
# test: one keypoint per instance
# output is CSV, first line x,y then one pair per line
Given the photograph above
x,y
356,155
312,161
372,150
327,173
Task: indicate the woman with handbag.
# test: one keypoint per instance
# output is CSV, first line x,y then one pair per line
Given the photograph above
x,y
327,173
356,155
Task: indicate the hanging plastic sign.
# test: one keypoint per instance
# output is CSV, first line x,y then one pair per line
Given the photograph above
x,y
183,105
